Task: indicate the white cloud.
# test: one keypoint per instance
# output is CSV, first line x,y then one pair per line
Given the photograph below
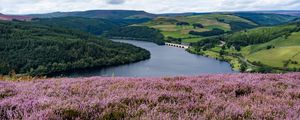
x,y
116,1
154,6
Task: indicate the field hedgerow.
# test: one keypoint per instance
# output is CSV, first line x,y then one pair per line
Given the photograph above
x,y
225,96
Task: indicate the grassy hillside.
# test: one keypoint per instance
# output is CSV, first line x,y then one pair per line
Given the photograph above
x,y
169,28
231,96
34,49
282,50
259,35
278,46
263,49
266,19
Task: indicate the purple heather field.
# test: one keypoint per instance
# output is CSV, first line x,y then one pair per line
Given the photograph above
x,y
224,96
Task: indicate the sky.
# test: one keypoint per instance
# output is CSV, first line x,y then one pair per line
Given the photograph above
x,y
152,6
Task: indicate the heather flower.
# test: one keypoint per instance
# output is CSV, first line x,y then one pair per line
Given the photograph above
x,y
224,96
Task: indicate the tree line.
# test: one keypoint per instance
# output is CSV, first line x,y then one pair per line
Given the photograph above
x,y
213,32
142,33
259,35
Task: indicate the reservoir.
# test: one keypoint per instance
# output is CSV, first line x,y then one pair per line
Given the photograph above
x,y
165,61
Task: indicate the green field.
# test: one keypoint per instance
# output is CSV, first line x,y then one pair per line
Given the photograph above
x,y
285,49
276,57
168,27
263,48
192,40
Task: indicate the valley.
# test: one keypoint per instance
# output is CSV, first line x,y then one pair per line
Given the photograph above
x,y
236,38
149,60
248,41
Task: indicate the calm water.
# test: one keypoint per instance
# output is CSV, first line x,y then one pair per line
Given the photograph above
x,y
165,61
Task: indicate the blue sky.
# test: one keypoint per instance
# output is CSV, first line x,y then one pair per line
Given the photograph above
x,y
153,6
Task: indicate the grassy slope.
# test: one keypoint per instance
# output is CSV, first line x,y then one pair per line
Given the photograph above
x,y
168,27
214,53
267,19
285,49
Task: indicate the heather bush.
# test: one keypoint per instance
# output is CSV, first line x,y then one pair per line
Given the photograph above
x,y
69,114
243,91
224,96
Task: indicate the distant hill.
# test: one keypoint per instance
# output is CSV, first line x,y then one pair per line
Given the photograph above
x,y
94,26
295,13
285,12
14,17
106,14
260,17
266,19
181,14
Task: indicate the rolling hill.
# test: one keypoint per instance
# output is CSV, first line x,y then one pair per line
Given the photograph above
x,y
266,19
169,27
213,23
262,49
285,12
106,14
284,52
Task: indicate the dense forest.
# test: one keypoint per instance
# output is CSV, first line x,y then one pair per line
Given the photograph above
x,y
213,32
173,40
28,48
142,33
94,26
237,25
207,43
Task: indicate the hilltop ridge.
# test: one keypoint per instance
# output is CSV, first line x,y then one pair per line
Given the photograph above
x,y
107,14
